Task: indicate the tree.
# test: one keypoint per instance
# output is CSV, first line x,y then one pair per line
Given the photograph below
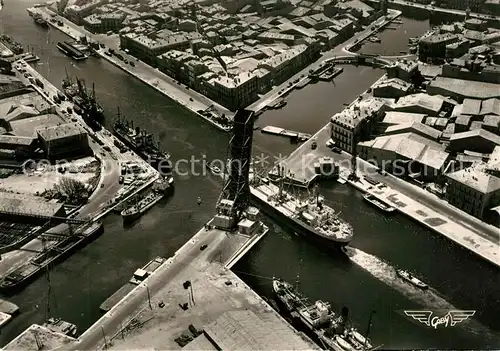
x,y
74,191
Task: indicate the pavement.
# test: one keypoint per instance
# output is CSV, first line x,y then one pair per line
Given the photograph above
x,y
417,203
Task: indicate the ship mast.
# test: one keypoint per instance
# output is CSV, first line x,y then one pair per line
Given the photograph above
x,y
369,327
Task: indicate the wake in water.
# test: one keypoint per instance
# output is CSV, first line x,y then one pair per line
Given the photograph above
x,y
429,299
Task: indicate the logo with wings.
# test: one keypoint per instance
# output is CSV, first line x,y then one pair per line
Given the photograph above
x,y
450,319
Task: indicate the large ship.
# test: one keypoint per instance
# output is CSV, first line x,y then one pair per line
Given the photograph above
x,y
84,101
310,217
143,143
331,330
138,209
37,264
70,50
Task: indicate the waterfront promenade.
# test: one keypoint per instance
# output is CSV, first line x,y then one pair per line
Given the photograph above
x,y
415,202
189,98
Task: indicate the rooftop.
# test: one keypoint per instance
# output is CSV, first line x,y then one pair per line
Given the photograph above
x,y
27,205
233,81
477,178
477,133
412,147
60,131
428,102
352,116
394,117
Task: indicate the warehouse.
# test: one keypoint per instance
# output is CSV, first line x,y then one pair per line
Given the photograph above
x,y
65,140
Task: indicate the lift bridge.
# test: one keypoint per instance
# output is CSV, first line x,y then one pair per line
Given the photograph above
x,y
235,196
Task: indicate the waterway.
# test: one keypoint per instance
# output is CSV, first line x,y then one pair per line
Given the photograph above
x,y
79,284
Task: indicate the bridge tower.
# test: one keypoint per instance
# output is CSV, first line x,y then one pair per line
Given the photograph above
x,y
235,196
383,7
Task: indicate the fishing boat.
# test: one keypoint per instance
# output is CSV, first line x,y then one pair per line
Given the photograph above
x,y
408,277
384,206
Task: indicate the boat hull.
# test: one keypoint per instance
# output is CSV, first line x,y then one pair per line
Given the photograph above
x,y
16,286
297,226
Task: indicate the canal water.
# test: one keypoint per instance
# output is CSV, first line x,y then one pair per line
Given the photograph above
x,y
364,284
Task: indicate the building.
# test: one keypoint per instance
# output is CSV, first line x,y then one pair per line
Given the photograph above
x,y
16,147
356,122
415,128
284,65
473,190
147,49
391,88
460,88
406,154
477,140
76,13
233,92
65,140
402,69
432,48
419,103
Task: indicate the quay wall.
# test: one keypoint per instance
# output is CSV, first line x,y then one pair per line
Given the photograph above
x,y
147,74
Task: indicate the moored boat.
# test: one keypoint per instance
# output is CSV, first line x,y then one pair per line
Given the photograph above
x,y
408,277
384,206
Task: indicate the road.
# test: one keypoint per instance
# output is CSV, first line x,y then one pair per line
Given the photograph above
x,y
186,260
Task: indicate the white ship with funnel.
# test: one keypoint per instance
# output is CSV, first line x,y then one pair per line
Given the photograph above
x,y
310,217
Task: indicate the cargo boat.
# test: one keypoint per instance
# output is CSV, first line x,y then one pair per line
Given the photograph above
x,y
143,143
22,275
384,206
408,277
40,21
332,331
311,218
11,44
70,50
85,103
139,276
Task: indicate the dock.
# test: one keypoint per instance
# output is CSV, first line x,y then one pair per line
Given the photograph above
x,y
136,279
294,136
188,300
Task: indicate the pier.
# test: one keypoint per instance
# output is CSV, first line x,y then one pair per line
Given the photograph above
x,y
195,288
